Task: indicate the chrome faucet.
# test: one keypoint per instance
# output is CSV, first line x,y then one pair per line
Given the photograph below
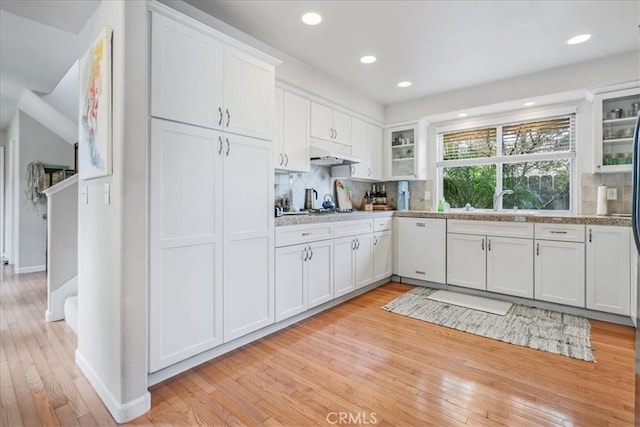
x,y
498,198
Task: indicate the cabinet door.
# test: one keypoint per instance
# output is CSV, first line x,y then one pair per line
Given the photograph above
x,y
608,277
466,261
248,95
320,273
382,255
291,294
296,133
278,145
185,243
321,122
510,266
342,127
248,230
343,272
186,74
402,149
359,148
374,153
559,272
422,249
363,260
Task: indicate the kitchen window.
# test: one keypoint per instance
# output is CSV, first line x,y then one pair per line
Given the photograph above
x,y
534,157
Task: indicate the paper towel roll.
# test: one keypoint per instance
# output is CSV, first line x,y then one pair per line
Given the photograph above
x,y
601,202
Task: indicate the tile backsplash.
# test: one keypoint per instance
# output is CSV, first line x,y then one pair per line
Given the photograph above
x,y
293,186
589,190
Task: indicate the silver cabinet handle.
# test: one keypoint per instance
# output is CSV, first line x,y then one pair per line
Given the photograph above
x,y
228,117
306,254
286,159
353,245
590,235
305,234
483,243
221,115
228,147
558,232
331,133
489,244
281,159
421,224
538,249
310,253
353,170
369,174
375,240
358,243
220,148
420,272
336,134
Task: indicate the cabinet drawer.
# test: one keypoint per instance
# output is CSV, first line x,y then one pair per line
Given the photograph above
x,y
561,232
382,224
491,228
296,234
351,228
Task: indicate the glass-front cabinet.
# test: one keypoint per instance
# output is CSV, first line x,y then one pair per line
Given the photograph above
x,y
406,159
615,115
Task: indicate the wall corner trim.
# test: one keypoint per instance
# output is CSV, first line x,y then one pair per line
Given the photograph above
x,y
121,412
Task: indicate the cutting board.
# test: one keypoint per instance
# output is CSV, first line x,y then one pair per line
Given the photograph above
x,y
343,196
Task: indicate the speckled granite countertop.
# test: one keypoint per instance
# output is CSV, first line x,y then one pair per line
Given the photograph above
x,y
477,216
523,217
324,217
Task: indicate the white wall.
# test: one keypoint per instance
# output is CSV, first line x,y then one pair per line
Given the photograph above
x,y
293,71
11,160
112,238
37,143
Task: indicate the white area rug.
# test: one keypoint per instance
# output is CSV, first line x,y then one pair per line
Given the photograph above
x,y
471,301
536,328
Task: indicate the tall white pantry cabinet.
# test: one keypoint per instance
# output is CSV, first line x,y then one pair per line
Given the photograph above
x,y
211,227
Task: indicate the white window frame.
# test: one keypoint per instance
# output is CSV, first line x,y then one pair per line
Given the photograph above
x,y
499,159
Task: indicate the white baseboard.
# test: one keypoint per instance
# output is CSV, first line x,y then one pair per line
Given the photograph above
x,y
121,412
55,299
32,269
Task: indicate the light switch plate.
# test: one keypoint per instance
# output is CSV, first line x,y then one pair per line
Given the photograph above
x,y
84,194
612,194
107,193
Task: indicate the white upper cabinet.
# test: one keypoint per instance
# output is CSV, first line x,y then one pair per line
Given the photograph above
x,y
608,269
374,153
248,95
292,124
186,74
614,118
359,148
329,124
405,151
199,80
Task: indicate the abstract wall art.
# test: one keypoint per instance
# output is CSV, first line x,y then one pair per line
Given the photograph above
x,y
94,131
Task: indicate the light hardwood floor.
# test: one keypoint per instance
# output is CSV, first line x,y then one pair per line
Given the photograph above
x,y
355,361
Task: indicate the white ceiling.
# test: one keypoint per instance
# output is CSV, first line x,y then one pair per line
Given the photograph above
x,y
38,45
438,45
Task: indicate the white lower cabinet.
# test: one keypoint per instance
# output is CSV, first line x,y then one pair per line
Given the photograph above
x,y
422,249
352,263
303,277
382,255
510,266
199,247
559,272
608,269
467,261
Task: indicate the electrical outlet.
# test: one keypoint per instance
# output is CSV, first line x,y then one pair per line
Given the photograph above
x,y
612,194
427,195
107,193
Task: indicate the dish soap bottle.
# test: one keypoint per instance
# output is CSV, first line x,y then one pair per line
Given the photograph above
x,y
440,206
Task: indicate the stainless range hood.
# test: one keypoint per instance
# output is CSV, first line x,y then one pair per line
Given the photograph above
x,y
323,157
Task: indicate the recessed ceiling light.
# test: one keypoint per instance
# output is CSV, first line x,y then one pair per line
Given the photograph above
x,y
579,39
311,18
404,84
462,115
368,59
529,104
